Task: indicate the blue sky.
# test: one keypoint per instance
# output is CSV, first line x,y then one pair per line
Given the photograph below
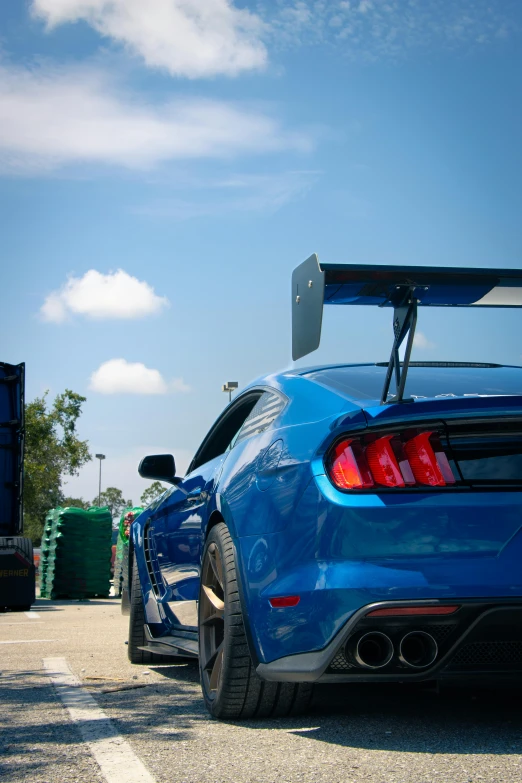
x,y
205,148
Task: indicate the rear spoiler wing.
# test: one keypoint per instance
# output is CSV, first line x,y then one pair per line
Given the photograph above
x,y
405,288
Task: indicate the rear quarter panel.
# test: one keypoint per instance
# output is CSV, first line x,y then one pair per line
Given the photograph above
x,y
264,476
340,551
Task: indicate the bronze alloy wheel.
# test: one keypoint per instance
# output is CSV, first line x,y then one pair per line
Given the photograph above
x,y
231,686
212,621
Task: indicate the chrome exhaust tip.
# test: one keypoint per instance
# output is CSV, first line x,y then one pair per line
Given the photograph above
x,y
418,650
373,650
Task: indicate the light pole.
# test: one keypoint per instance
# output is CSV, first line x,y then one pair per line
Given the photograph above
x,y
229,387
100,457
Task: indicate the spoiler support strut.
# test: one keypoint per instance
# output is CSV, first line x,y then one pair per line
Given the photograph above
x,y
404,323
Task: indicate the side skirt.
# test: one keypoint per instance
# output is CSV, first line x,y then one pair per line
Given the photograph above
x,y
184,644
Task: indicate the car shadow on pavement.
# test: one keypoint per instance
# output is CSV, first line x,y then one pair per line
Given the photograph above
x,y
454,720
384,717
186,670
416,719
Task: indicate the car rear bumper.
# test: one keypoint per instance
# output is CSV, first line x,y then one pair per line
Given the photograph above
x,y
481,639
340,553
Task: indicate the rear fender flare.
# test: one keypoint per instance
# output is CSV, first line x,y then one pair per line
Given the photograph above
x,y
218,510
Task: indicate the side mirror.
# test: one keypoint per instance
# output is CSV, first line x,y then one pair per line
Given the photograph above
x,y
159,467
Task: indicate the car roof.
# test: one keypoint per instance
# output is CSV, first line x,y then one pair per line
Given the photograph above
x,y
431,365
361,383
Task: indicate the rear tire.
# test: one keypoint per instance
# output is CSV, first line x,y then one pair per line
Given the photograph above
x,y
231,686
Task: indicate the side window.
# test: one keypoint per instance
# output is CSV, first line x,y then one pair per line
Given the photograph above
x,y
264,412
225,430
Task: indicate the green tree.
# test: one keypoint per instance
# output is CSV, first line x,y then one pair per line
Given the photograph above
x,y
151,493
52,451
75,503
114,500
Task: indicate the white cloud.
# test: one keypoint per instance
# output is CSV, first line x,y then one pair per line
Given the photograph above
x,y
52,117
178,385
202,38
421,342
370,30
98,296
118,376
194,38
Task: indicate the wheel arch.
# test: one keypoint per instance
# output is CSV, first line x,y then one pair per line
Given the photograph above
x,y
215,518
220,512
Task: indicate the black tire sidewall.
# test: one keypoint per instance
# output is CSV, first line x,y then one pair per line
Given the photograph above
x,y
136,617
215,537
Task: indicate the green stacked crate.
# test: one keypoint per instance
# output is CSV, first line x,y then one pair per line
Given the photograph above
x,y
44,556
77,553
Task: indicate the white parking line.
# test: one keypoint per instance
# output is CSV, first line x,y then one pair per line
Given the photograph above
x,y
115,757
32,615
29,641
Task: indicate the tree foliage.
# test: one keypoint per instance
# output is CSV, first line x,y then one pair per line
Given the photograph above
x,y
52,451
151,493
114,500
75,503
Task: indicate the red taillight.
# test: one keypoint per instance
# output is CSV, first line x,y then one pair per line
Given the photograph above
x,y
349,467
442,460
383,463
426,464
403,611
392,460
404,465
284,601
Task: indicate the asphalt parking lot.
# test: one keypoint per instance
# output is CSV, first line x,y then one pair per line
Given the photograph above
x,y
157,717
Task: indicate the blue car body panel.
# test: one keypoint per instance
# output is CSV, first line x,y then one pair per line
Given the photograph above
x,y
295,533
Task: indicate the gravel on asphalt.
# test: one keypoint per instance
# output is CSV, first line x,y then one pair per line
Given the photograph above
x,y
380,734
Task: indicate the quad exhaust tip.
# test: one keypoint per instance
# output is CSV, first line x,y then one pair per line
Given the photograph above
x,y
373,650
418,650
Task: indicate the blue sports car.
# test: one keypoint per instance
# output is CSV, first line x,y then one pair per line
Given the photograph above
x,y
348,523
